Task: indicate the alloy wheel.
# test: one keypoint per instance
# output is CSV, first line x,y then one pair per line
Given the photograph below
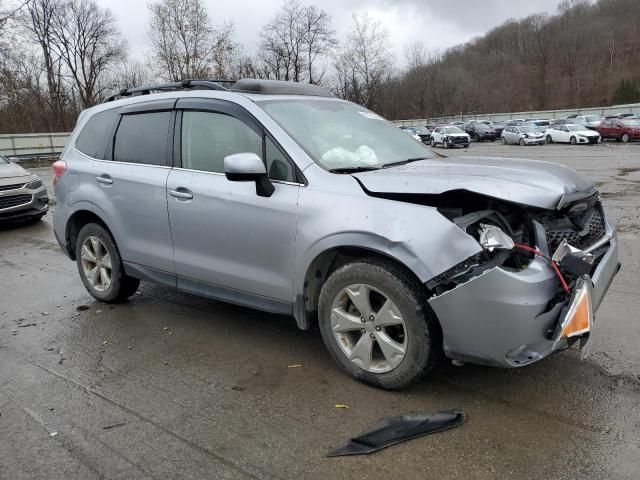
x,y
369,328
625,138
96,263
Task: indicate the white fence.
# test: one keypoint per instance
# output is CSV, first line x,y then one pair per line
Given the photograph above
x,y
542,114
30,145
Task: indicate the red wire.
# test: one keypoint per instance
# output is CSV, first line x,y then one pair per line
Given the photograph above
x,y
554,265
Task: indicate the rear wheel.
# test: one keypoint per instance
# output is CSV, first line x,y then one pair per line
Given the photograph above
x,y
504,141
100,265
625,138
573,140
549,139
377,325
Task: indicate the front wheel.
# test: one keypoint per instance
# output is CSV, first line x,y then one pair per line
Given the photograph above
x,y
100,265
522,142
573,140
625,138
433,143
549,139
376,324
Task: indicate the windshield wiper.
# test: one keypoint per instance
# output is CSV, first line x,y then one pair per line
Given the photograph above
x,y
353,169
404,162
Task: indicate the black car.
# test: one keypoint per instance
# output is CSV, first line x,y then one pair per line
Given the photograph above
x,y
422,132
480,131
497,126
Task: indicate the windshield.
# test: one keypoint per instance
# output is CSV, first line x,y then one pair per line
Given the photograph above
x,y
421,130
343,135
575,128
452,130
592,118
527,129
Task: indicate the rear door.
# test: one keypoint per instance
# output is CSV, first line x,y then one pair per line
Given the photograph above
x,y
132,184
228,241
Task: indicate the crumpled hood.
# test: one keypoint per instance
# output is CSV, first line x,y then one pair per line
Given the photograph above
x,y
528,182
12,170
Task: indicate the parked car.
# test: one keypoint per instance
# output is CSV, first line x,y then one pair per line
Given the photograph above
x,y
23,196
542,125
515,121
480,131
281,197
560,121
457,123
449,137
589,121
423,133
498,127
622,130
410,131
522,135
534,126
571,133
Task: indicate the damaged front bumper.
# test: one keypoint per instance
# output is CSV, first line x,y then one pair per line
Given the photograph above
x,y
507,318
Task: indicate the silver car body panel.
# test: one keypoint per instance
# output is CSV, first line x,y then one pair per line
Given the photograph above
x,y
528,182
16,199
228,243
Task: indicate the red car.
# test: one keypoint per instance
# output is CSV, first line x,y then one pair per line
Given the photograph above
x,y
620,129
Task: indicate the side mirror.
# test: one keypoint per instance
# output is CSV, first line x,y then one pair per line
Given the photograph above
x,y
248,167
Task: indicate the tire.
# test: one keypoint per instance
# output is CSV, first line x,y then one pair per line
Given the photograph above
x,y
433,143
573,140
625,138
521,142
549,139
121,286
421,337
504,141
466,145
445,144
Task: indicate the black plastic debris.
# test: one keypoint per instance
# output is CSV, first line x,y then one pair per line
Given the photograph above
x,y
394,430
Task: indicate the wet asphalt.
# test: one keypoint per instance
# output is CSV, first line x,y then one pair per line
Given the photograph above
x,y
171,386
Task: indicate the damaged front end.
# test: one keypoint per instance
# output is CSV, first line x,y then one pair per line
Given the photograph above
x,y
534,286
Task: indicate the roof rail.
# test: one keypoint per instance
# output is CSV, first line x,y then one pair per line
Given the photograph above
x,y
167,87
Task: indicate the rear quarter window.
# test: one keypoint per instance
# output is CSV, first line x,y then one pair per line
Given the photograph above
x,y
143,138
95,134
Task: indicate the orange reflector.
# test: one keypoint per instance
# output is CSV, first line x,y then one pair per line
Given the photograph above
x,y
578,320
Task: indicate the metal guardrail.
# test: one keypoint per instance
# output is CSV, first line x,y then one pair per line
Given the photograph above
x,y
32,145
542,114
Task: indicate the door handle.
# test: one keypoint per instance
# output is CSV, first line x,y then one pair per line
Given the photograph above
x,y
181,193
105,180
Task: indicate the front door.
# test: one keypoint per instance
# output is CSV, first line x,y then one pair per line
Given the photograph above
x,y
226,238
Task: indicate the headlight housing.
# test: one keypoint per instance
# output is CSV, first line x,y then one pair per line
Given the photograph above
x,y
33,184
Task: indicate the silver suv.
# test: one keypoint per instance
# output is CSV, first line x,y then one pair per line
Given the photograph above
x,y
280,197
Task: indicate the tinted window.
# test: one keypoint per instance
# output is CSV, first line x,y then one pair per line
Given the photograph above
x,y
209,137
142,138
92,140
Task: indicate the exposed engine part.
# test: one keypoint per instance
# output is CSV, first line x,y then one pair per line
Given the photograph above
x,y
573,260
492,237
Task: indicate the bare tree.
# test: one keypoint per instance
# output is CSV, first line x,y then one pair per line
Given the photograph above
x,y
364,61
39,21
295,39
184,42
87,40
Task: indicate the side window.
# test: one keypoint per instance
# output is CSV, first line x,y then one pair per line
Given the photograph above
x,y
142,138
93,138
208,137
278,166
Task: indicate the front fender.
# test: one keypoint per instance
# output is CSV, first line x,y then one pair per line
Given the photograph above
x,y
417,236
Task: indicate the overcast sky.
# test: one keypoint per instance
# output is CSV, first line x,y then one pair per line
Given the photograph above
x,y
437,23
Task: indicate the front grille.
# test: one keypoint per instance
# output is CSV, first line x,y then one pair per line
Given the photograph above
x,y
594,230
15,186
14,200
460,140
